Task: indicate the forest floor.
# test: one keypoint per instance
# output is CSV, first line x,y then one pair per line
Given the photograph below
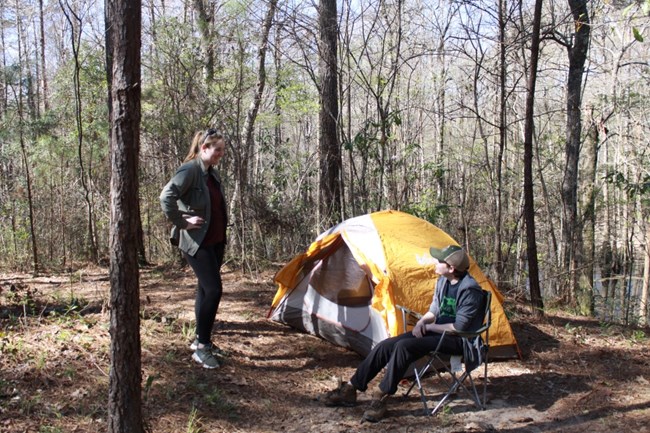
x,y
576,374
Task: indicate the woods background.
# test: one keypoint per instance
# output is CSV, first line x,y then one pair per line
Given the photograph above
x,y
341,108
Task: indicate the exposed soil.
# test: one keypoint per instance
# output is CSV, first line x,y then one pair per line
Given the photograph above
x,y
576,374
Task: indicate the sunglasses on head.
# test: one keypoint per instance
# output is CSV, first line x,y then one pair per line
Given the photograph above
x,y
210,133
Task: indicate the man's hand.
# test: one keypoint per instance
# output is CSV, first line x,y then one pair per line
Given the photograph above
x,y
419,329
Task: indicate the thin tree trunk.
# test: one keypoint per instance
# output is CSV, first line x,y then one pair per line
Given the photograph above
x,y
203,21
86,172
388,119
280,148
21,117
503,140
643,303
346,83
573,257
245,163
330,151
529,205
3,77
251,115
586,280
46,104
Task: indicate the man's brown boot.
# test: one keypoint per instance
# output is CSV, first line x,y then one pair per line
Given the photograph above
x,y
344,395
377,408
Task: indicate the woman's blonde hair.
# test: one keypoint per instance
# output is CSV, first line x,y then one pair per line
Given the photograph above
x,y
200,137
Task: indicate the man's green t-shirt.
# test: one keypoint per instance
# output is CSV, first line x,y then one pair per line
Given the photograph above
x,y
447,312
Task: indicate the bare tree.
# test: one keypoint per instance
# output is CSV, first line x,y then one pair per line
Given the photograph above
x,y
377,66
529,205
245,154
586,272
330,150
46,104
23,150
645,288
123,68
251,115
204,12
4,87
577,45
75,22
503,141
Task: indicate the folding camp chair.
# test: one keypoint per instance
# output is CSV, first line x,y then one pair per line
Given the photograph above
x,y
475,353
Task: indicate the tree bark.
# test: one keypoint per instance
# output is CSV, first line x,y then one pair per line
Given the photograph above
x,y
4,87
572,258
536,301
251,115
123,39
46,104
586,273
503,140
645,288
23,150
203,21
330,151
86,172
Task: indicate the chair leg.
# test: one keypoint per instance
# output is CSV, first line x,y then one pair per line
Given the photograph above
x,y
458,382
474,393
447,396
422,396
485,378
418,381
454,384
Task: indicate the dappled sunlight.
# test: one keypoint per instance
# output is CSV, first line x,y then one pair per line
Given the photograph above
x,y
575,375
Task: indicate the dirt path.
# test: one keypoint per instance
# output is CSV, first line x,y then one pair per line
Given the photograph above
x,y
576,375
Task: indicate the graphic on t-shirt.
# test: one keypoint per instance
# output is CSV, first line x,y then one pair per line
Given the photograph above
x,y
448,307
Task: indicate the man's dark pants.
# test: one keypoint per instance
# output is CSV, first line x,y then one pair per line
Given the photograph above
x,y
397,354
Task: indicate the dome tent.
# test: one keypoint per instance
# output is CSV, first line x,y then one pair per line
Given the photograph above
x,y
347,284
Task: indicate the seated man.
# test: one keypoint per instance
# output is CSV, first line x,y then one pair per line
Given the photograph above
x,y
457,305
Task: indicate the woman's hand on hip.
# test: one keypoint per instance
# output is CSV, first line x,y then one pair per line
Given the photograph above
x,y
194,222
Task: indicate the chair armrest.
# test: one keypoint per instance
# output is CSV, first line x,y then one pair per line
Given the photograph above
x,y
408,316
409,312
470,334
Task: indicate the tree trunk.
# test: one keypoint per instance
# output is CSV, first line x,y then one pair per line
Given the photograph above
x,y
123,37
643,303
572,258
46,104
385,102
85,172
21,117
536,301
503,139
251,115
353,204
4,98
203,21
585,299
330,151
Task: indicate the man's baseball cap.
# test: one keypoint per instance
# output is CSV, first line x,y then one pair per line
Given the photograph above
x,y
453,255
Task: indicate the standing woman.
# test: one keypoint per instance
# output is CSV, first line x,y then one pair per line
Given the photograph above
x,y
194,202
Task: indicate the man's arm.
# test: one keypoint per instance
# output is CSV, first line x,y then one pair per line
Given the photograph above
x,y
420,328
470,306
440,327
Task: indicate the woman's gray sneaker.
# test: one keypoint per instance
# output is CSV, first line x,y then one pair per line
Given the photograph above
x,y
205,357
214,349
